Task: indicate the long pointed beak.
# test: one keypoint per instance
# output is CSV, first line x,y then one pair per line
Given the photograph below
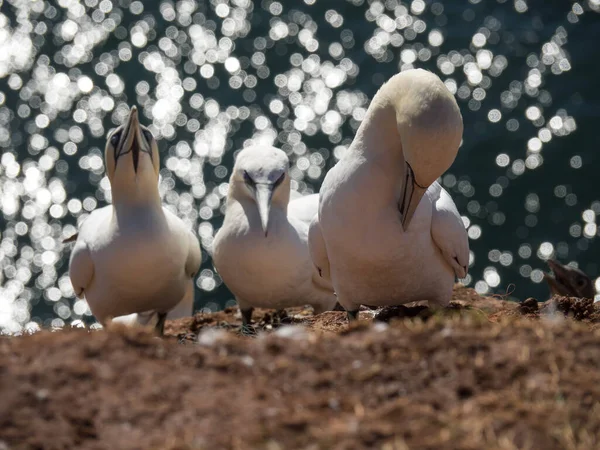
x,y
559,270
133,134
131,138
412,194
263,193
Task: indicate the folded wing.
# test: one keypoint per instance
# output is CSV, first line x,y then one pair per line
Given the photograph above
x,y
448,230
81,268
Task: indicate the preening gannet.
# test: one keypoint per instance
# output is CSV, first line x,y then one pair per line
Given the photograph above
x,y
387,233
261,251
134,256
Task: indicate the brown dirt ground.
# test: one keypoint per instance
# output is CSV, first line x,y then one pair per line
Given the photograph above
x,y
484,374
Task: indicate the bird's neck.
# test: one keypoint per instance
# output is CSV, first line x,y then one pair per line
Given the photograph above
x,y
135,192
376,155
377,137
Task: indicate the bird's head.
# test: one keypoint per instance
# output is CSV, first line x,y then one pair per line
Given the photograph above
x,y
569,281
430,127
260,174
131,151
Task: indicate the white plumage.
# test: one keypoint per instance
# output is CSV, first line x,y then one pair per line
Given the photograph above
x,y
387,233
261,251
134,256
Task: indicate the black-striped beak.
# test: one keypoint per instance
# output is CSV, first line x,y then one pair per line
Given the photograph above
x,y
131,139
412,193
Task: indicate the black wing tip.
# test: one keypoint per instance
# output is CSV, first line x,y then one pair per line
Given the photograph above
x,y
72,238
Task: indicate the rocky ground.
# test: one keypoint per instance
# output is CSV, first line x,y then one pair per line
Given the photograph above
x,y
484,374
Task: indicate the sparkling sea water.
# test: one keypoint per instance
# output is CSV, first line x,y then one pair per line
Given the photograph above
x,y
211,77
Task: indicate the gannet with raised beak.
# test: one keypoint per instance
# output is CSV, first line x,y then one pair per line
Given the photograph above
x,y
134,256
261,251
387,233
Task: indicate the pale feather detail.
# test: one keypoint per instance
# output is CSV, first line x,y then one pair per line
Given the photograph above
x,y
148,267
448,230
304,208
318,251
186,306
81,268
194,257
294,195
149,318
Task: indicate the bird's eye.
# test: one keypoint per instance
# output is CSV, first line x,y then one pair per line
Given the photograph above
x,y
580,282
279,180
114,139
248,179
148,135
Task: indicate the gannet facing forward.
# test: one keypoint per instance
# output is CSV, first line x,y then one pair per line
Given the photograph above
x,y
261,251
134,256
387,233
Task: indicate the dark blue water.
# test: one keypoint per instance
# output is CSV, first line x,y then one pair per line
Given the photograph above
x,y
212,76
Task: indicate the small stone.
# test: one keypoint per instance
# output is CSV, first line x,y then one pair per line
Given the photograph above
x,y
529,306
295,332
210,337
41,394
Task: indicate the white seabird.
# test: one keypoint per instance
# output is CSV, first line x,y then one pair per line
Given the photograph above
x,y
134,256
387,233
261,251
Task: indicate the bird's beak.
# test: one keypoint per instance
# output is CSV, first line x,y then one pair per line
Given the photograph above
x,y
556,282
558,269
263,193
132,138
411,196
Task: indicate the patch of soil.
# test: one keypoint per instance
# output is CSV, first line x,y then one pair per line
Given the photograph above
x,y
478,375
579,308
559,307
465,301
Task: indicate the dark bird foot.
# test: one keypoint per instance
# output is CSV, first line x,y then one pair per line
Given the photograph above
x,y
160,325
246,315
353,315
247,330
281,317
72,238
338,307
